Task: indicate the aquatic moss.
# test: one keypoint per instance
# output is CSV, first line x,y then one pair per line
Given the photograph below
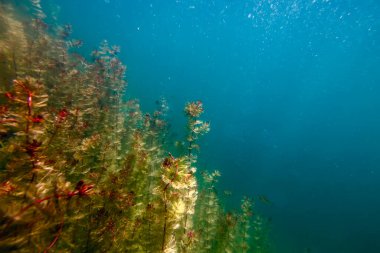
x,y
83,170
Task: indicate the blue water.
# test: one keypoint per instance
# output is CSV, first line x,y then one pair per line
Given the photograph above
x,y
292,90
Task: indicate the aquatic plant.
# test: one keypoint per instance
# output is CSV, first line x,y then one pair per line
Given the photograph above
x,y
244,224
208,212
260,240
84,170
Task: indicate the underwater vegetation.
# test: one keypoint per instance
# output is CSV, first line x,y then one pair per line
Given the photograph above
x,y
84,170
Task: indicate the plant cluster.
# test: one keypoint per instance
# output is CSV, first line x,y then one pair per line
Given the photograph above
x,y
84,170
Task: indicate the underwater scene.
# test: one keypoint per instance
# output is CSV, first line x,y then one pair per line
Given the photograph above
x,y
186,126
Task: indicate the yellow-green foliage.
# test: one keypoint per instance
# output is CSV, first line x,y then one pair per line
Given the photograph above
x,y
244,224
260,242
83,170
208,213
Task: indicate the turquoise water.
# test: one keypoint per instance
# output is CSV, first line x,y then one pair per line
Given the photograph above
x,y
291,89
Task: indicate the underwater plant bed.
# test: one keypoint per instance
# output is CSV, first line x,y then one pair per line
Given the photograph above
x,y
82,169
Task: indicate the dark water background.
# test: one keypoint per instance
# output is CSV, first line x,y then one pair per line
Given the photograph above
x,y
292,90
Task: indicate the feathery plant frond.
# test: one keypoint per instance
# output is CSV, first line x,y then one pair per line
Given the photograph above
x,y
244,223
196,127
260,240
207,213
84,170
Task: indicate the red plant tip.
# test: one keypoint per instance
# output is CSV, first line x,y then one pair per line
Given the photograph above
x,y
9,95
85,189
38,119
191,234
82,188
62,114
33,147
6,187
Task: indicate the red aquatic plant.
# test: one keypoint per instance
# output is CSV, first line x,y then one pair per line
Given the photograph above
x,y
6,187
81,190
62,114
9,95
38,119
33,147
51,245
